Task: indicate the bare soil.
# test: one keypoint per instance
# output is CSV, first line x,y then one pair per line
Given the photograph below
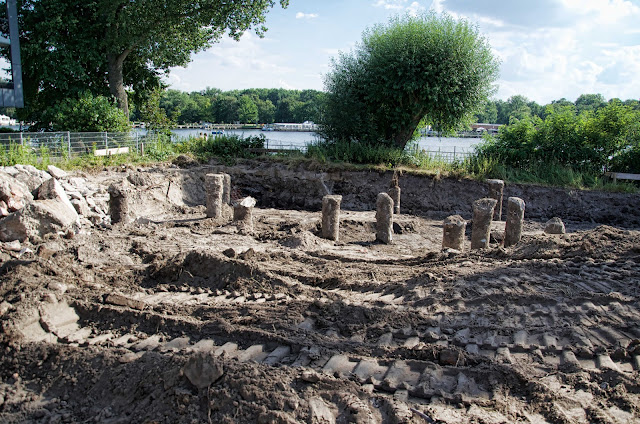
x,y
176,318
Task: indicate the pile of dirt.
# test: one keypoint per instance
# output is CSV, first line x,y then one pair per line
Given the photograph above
x,y
177,318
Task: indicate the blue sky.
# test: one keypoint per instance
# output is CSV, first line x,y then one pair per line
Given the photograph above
x,y
548,49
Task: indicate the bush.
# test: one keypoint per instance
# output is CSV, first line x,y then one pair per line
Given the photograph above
x,y
88,113
416,67
223,146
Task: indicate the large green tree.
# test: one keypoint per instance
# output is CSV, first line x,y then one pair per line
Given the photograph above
x,y
430,67
115,45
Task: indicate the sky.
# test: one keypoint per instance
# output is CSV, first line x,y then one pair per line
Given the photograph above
x,y
548,49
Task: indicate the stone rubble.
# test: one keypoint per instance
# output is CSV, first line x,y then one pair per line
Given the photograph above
x,y
34,203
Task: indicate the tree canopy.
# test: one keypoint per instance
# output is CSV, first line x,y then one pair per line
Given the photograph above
x,y
110,46
430,67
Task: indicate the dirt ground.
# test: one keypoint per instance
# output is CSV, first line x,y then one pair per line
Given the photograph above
x,y
176,318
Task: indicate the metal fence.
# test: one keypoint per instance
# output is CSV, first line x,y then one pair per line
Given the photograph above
x,y
59,145
65,145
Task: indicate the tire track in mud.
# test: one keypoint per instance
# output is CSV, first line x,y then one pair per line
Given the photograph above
x,y
477,329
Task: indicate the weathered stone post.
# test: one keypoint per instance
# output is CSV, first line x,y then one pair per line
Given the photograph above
x,y
453,232
384,218
119,204
515,220
226,189
394,192
214,187
496,188
482,217
243,215
331,216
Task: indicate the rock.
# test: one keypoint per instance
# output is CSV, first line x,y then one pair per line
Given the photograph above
x,y
31,176
554,226
230,252
12,246
37,219
52,189
119,300
4,208
203,369
56,172
319,412
13,193
81,206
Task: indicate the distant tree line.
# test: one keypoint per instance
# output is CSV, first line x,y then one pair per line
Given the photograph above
x,y
251,106
518,107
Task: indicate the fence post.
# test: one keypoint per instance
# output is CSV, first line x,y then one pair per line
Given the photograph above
x,y
106,142
21,139
454,153
69,140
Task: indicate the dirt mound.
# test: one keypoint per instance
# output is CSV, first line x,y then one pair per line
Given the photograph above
x,y
177,318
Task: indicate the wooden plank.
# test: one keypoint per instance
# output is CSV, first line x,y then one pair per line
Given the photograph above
x,y
622,176
114,151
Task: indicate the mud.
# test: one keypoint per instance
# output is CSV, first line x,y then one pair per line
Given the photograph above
x,y
179,318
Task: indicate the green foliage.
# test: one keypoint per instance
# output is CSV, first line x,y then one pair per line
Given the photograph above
x,y
69,46
155,117
88,113
415,67
565,148
246,106
223,146
16,153
247,110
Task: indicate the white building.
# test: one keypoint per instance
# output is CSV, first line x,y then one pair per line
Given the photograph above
x,y
5,121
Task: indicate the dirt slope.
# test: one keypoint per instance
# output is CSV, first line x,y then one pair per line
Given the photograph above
x,y
176,318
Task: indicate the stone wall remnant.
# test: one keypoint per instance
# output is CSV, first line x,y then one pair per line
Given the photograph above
x,y
496,189
243,215
214,187
119,204
482,216
384,218
453,229
226,189
515,221
331,216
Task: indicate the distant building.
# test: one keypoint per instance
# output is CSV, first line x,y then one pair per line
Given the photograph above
x,y
492,128
305,126
5,121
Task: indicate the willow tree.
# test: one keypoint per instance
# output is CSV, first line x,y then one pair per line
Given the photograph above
x,y
429,67
115,45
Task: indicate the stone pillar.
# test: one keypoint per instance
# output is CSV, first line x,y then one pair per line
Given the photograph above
x,y
515,220
226,189
119,204
331,216
453,232
384,218
394,192
243,215
214,187
496,188
482,217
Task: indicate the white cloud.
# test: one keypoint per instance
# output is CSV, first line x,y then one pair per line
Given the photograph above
x,y
391,4
301,15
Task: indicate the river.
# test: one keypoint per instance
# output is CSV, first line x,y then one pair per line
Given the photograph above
x,y
283,139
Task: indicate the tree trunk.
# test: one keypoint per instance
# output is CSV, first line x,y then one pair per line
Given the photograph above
x,y
116,81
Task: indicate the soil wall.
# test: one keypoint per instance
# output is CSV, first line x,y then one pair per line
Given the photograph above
x,y
279,186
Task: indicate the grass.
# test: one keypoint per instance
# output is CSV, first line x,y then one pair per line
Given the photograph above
x,y
354,156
